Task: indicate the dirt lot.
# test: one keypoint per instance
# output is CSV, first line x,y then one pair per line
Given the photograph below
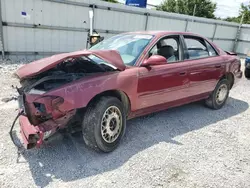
x,y
188,146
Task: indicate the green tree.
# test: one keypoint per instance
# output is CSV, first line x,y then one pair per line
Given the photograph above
x,y
244,10
111,1
233,19
204,8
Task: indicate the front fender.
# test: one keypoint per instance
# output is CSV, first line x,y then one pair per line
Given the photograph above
x,y
79,93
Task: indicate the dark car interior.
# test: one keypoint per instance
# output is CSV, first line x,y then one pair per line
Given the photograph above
x,y
196,48
168,48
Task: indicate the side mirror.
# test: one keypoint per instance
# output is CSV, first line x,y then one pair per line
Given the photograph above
x,y
155,60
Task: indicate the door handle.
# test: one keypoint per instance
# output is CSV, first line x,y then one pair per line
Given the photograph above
x,y
217,66
183,73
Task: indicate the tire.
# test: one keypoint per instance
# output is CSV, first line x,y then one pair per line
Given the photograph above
x,y
104,133
217,99
247,73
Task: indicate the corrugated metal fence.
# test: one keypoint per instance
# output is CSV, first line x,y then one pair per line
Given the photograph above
x,y
38,28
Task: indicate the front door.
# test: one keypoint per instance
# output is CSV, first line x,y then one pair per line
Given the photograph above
x,y
161,84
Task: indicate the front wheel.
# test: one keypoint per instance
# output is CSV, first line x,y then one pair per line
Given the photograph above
x,y
104,124
219,96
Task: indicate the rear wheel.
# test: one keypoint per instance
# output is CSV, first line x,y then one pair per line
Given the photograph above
x,y
219,96
247,73
104,124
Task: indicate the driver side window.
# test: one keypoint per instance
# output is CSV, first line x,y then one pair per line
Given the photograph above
x,y
168,47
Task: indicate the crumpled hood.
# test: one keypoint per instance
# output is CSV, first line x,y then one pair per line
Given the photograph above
x,y
36,67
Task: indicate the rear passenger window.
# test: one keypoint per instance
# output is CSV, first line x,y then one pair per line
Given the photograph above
x,y
211,50
196,48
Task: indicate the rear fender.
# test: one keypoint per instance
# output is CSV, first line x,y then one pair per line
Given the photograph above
x,y
234,73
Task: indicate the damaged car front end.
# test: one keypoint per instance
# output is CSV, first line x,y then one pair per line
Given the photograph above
x,y
46,103
41,117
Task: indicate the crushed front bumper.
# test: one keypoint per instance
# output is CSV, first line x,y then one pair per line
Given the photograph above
x,y
32,136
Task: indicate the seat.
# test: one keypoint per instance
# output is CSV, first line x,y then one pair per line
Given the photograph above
x,y
167,52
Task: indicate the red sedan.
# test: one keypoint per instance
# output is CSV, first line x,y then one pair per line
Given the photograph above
x,y
123,77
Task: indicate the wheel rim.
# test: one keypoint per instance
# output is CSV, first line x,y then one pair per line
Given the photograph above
x,y
221,94
111,124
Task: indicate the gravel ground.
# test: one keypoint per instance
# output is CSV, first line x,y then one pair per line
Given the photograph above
x,y
188,146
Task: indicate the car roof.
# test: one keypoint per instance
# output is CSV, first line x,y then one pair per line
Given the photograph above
x,y
162,33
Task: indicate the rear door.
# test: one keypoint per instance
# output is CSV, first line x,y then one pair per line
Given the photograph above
x,y
205,65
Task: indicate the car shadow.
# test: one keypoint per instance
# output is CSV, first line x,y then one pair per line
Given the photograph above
x,y
67,158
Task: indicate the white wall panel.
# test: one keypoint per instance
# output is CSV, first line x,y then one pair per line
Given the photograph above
x,y
245,34
107,35
43,40
29,39
12,10
118,21
67,19
9,39
243,47
204,29
158,23
224,44
226,32
45,13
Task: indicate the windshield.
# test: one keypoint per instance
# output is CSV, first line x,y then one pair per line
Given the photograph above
x,y
130,46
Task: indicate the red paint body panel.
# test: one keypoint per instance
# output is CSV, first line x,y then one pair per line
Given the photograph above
x,y
42,65
28,130
161,84
148,89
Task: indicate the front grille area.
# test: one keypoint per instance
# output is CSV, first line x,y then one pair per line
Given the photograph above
x,y
40,107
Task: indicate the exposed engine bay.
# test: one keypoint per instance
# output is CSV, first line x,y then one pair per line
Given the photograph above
x,y
67,71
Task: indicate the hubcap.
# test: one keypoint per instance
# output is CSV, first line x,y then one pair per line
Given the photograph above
x,y
111,124
221,94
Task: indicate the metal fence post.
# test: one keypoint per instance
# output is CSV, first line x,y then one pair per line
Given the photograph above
x,y
93,9
146,23
215,29
238,34
1,32
186,27
91,23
